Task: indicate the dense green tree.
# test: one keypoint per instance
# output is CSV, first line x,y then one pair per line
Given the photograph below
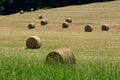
x,y
12,6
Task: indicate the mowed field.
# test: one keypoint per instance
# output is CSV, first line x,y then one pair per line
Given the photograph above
x,y
97,53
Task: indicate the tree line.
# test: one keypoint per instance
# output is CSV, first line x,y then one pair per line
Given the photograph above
x,y
13,6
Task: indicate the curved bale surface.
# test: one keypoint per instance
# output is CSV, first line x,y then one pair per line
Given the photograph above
x,y
33,42
62,56
105,27
44,22
65,25
88,28
69,20
31,26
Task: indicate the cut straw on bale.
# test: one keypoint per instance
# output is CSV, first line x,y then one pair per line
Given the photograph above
x,y
104,27
44,22
69,20
88,28
33,42
21,12
62,56
31,26
65,25
40,17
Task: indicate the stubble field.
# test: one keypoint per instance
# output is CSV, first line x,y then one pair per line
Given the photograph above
x,y
97,53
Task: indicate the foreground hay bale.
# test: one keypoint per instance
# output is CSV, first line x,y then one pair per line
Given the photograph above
x,y
69,20
62,56
21,12
40,17
65,25
88,28
31,26
104,27
44,22
33,42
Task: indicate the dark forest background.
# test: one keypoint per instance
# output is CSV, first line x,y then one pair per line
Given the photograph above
x,y
13,6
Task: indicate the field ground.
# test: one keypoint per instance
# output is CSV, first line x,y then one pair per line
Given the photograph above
x,y
97,53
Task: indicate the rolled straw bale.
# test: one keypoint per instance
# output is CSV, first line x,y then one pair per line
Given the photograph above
x,y
31,26
105,27
40,17
44,22
21,12
33,42
32,9
61,56
88,28
69,20
65,25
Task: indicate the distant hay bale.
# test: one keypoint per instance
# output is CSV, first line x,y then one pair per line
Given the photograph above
x,y
40,17
88,28
33,42
31,26
69,20
32,9
65,25
21,12
104,27
44,22
61,56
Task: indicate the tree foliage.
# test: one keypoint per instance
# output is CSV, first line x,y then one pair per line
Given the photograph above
x,y
12,6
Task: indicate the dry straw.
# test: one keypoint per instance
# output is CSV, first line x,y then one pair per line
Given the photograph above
x,y
31,26
62,56
33,42
65,25
69,20
88,28
104,27
44,22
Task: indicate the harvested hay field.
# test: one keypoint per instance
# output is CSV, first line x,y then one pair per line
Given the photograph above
x,y
97,53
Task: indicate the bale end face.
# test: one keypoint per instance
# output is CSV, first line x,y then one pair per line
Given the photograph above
x,y
88,28
61,56
31,26
33,42
69,20
105,27
65,25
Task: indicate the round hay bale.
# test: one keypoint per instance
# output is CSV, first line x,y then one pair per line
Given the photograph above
x,y
104,27
69,20
44,22
65,25
21,12
88,28
61,56
32,9
33,42
40,17
31,26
